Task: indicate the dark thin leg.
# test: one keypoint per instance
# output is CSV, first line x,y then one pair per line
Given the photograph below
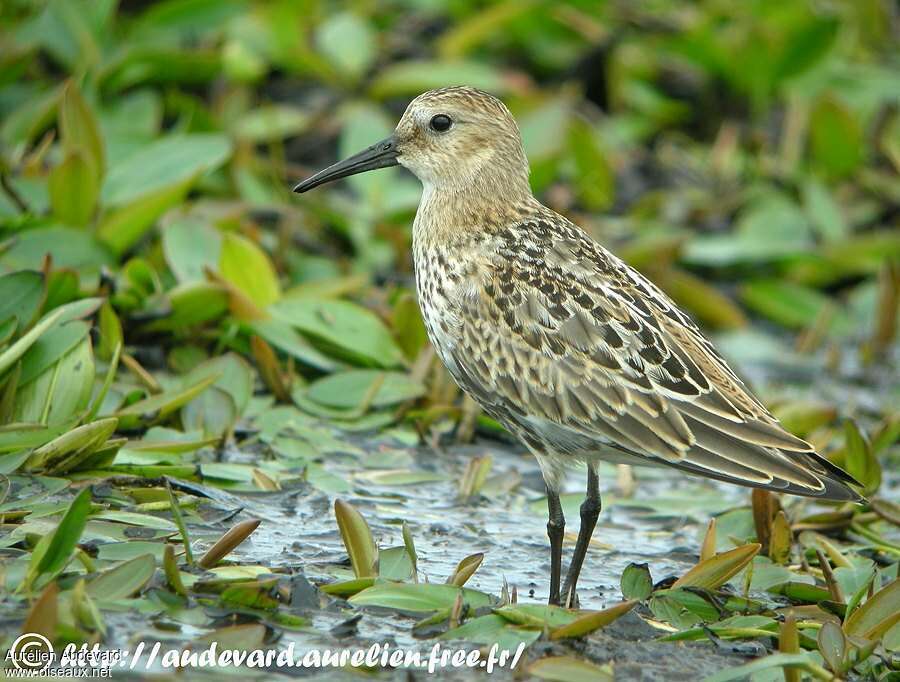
x,y
556,527
590,511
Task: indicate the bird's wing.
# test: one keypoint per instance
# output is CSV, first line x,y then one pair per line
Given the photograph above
x,y
581,351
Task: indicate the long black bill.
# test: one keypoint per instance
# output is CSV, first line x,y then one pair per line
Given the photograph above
x,y
379,155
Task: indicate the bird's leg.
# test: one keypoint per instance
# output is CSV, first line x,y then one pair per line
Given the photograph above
x,y
556,527
590,511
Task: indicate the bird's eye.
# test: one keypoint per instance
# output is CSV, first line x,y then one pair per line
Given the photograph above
x,y
440,123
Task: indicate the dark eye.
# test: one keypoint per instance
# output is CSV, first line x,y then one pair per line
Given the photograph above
x,y
441,123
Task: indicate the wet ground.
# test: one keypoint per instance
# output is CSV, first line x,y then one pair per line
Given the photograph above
x,y
391,478
660,524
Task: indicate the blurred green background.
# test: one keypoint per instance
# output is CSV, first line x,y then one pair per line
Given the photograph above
x,y
744,155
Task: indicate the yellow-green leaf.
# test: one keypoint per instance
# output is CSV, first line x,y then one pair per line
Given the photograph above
x,y
74,189
718,570
465,569
79,129
248,268
357,539
586,624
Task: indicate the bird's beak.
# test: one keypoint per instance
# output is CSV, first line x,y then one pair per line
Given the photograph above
x,y
379,155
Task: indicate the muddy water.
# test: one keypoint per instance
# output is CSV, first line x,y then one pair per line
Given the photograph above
x,y
509,527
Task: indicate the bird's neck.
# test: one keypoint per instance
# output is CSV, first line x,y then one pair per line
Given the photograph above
x,y
463,212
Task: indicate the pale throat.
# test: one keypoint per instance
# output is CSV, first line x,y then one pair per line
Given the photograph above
x,y
452,207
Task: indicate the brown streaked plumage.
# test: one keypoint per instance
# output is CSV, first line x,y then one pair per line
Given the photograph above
x,y
576,353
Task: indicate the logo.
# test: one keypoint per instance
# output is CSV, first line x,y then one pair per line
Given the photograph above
x,y
31,651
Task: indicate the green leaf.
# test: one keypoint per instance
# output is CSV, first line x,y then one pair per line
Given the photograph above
x,y
791,305
833,645
71,446
806,47
54,555
860,461
165,163
357,538
190,247
412,77
824,212
18,349
272,122
352,331
193,304
50,347
836,138
62,391
68,247
420,597
159,406
248,268
80,132
569,669
348,42
394,563
636,582
73,190
20,295
744,672
124,580
280,334
121,228
377,389
877,615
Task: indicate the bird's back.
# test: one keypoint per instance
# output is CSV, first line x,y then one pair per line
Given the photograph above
x,y
582,357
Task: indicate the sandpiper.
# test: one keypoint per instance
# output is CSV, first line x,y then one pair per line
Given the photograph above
x,y
573,351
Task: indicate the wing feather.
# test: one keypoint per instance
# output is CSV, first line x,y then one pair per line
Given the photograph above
x,y
576,350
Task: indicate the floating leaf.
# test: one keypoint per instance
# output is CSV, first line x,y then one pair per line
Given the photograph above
x,y
124,580
420,597
54,551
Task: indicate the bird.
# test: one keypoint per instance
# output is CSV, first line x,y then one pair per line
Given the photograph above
x,y
574,352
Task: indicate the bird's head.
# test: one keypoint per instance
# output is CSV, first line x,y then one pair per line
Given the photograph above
x,y
452,139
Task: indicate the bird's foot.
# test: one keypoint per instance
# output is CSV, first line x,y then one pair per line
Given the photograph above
x,y
570,597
